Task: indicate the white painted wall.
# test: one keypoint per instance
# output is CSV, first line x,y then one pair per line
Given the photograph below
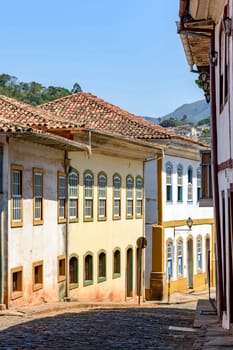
x,y
30,243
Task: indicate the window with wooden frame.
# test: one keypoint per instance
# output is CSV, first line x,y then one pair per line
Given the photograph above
x,y
73,196
116,197
198,184
88,196
101,267
16,282
116,263
88,269
129,197
180,257
169,170
170,259
102,196
223,63
73,272
38,196
16,195
139,197
190,184
206,176
61,268
61,192
199,253
179,183
37,273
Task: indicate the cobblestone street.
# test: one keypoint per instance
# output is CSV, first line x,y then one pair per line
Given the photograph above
x,y
119,328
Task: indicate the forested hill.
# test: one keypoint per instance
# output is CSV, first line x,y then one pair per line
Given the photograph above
x,y
32,93
193,112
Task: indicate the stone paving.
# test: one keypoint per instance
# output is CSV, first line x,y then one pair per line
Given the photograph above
x,y
141,327
183,323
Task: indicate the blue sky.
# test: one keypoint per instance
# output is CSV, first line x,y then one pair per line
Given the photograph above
x,y
124,51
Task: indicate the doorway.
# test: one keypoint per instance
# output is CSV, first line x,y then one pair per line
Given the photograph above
x,y
129,273
190,263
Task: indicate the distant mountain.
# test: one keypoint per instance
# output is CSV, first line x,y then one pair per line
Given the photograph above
x,y
195,112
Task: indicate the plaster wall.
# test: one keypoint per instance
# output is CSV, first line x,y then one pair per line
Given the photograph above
x,y
96,236
29,244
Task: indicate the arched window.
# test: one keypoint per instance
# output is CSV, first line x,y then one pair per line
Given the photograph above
x,y
73,196
73,270
116,263
169,182
180,257
116,196
102,267
88,194
180,183
199,253
102,208
198,184
139,196
129,196
169,259
190,184
88,269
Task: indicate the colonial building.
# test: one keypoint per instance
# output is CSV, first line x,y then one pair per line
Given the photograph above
x,y
206,33
166,211
179,226
32,241
72,204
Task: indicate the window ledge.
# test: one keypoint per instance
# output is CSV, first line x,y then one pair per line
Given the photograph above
x,y
101,279
73,285
116,275
16,295
37,286
61,278
206,202
87,283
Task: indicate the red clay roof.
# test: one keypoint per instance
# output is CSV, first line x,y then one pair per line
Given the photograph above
x,y
91,112
29,116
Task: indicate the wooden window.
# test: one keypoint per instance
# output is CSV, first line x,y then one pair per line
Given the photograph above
x,y
88,196
198,184
88,269
206,175
116,263
180,257
199,253
61,197
16,195
139,197
169,182
37,196
73,196
190,184
102,197
61,268
37,275
129,197
179,183
16,282
73,272
101,267
169,259
116,197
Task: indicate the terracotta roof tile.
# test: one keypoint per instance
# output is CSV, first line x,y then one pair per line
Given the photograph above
x,y
22,113
91,112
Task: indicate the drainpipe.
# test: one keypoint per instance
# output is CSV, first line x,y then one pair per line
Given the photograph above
x,y
67,169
